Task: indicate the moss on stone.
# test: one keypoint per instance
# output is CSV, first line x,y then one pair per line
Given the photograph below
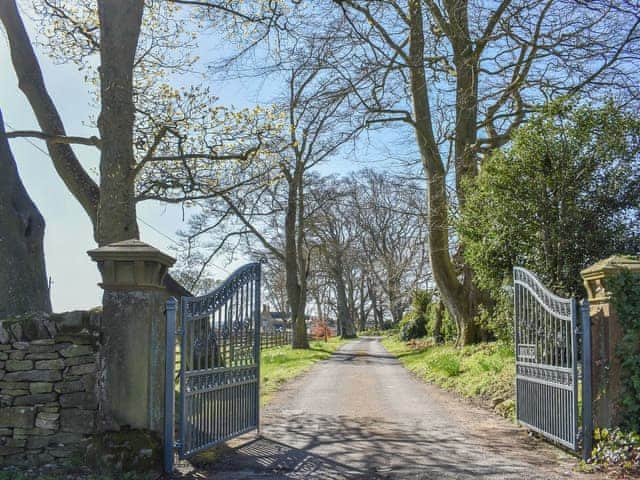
x,y
125,451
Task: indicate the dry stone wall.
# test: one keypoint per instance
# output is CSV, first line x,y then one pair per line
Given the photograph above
x,y
48,403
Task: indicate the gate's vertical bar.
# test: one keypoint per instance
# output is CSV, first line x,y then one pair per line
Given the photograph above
x,y
515,332
169,389
183,367
574,369
587,416
257,325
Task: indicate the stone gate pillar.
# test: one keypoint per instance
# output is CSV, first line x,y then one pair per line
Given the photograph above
x,y
606,332
131,376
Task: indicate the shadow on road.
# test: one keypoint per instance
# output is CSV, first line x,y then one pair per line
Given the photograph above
x,y
367,448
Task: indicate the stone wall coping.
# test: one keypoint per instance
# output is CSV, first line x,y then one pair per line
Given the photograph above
x,y
131,250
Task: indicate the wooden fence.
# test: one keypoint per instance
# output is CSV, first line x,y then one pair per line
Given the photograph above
x,y
274,339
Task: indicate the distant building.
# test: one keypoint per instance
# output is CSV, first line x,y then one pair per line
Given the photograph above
x,y
273,321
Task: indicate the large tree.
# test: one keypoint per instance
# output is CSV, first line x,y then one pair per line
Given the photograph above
x,y
155,140
463,74
23,278
269,205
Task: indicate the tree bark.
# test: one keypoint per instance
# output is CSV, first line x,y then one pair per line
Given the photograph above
x,y
296,283
120,24
460,297
437,323
31,82
348,329
23,277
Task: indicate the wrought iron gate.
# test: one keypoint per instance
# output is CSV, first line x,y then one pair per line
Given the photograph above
x,y
548,357
219,366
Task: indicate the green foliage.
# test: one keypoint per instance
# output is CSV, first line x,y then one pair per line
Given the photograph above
x,y
414,322
448,329
615,447
564,194
625,294
498,317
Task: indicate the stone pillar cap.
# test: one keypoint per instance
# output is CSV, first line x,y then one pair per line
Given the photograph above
x,y
612,264
131,249
131,265
595,275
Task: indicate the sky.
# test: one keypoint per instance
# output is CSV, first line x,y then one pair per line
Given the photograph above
x,y
68,235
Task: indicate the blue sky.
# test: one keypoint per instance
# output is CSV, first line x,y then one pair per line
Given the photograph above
x,y
68,230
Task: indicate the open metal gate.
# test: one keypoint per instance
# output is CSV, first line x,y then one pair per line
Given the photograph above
x,y
550,362
218,366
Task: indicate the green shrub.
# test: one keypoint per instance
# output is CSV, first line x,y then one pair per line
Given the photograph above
x,y
412,326
498,317
625,295
414,322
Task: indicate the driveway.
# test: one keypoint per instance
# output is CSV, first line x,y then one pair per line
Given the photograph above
x,y
361,415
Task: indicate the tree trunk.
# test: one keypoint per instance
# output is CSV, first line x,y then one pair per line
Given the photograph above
x,y
460,297
31,82
23,278
119,31
348,329
437,323
296,290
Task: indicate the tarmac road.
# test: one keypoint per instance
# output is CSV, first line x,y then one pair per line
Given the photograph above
x,y
361,415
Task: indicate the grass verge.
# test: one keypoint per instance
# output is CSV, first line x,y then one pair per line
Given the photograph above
x,y
281,364
485,371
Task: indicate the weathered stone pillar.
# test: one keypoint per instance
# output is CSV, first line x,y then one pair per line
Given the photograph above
x,y
132,356
606,334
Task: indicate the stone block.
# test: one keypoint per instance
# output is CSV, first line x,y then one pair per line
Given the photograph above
x,y
77,339
47,420
32,432
16,331
70,386
74,350
43,341
60,452
14,385
4,451
34,376
42,356
4,333
18,365
21,417
6,432
17,355
4,356
86,400
77,421
40,387
42,348
50,409
57,364
83,369
14,393
71,361
37,399
15,442
6,400
21,345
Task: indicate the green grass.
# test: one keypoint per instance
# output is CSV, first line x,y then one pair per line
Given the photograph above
x,y
485,371
281,364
